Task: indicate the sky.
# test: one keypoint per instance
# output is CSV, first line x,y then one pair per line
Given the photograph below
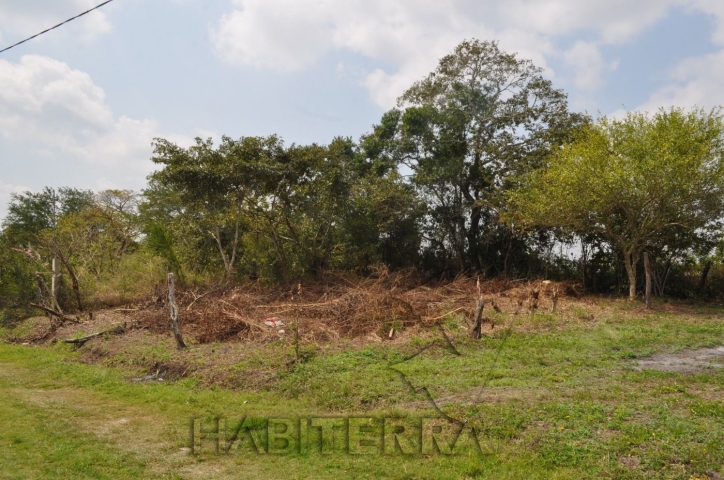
x,y
80,105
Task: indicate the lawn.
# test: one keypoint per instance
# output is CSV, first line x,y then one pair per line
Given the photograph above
x,y
544,398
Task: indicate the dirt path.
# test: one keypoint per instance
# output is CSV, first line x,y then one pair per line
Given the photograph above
x,y
155,440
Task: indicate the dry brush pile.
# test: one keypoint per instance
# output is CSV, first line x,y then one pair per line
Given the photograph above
x,y
379,306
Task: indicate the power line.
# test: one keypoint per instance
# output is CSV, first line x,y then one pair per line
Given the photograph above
x,y
56,26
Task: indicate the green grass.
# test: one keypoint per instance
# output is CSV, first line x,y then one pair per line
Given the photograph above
x,y
558,401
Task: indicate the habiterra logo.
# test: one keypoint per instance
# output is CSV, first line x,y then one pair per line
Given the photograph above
x,y
441,434
330,435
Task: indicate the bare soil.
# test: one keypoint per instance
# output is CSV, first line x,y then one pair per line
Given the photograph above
x,y
688,361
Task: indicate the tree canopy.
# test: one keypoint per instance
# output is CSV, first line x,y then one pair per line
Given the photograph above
x,y
640,182
465,131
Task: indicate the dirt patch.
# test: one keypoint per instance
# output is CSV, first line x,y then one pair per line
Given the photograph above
x,y
689,361
159,372
631,462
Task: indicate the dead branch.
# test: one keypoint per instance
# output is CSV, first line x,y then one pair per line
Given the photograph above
x,y
533,305
520,306
445,315
295,305
496,307
73,279
238,318
63,318
203,295
42,286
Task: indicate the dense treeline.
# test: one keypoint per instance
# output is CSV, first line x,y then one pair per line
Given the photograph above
x,y
481,169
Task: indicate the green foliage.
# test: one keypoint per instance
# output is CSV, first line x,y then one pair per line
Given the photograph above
x,y
159,241
17,285
641,183
31,213
90,236
284,212
132,278
480,118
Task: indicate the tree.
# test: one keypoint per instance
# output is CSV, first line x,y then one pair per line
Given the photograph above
x,y
213,184
642,183
35,218
30,213
481,118
17,282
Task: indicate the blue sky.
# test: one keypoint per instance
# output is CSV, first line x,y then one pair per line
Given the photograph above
x,y
80,105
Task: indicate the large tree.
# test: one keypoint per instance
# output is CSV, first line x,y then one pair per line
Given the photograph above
x,y
642,183
465,131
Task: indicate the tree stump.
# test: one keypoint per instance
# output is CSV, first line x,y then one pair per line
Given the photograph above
x,y
478,328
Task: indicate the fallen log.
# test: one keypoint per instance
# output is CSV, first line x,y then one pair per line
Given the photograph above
x,y
81,341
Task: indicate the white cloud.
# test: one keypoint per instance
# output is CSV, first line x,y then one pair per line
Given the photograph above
x,y
409,36
715,8
588,64
299,35
615,21
55,111
39,89
695,81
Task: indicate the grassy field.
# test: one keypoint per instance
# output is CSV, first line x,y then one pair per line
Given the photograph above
x,y
546,398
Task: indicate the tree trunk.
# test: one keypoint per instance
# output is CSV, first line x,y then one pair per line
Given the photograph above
x,y
54,281
584,260
227,265
704,274
459,239
647,269
630,261
508,252
473,234
235,246
280,253
173,309
73,279
667,270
